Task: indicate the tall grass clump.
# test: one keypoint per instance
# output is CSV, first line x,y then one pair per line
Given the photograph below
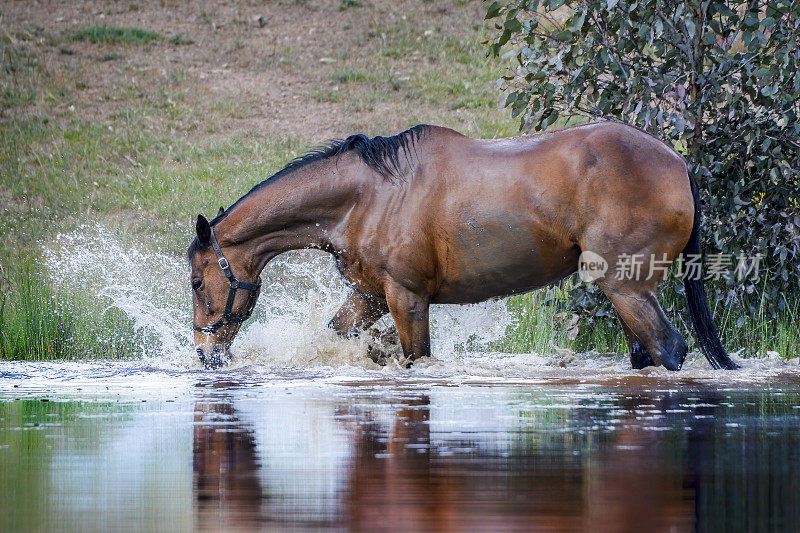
x,y
760,334
542,322
37,324
113,35
535,326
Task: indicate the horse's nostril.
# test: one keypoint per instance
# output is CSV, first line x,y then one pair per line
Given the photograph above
x,y
202,356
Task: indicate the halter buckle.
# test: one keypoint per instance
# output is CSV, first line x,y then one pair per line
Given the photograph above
x,y
223,263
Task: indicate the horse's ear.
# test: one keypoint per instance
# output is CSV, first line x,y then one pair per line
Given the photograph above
x,y
221,210
203,230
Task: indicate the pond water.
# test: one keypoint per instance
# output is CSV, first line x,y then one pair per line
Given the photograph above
x,y
132,446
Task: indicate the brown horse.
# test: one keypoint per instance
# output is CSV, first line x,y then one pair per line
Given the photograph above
x,y
431,216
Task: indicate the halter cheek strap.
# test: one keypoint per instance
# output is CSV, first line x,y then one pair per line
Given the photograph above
x,y
235,285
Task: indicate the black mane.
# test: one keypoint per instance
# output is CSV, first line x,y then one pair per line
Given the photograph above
x,y
381,154
384,155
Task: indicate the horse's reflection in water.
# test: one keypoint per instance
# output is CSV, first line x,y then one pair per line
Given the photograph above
x,y
406,483
633,485
397,477
227,486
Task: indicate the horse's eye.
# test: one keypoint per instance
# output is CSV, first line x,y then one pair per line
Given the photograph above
x,y
196,284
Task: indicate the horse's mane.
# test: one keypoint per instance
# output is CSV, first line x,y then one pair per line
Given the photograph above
x,y
381,154
384,155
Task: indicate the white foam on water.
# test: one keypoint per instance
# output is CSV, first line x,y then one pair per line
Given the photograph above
x,y
288,334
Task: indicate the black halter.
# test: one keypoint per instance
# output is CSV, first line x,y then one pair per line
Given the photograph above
x,y
254,288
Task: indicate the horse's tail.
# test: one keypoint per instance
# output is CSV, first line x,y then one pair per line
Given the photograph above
x,y
704,329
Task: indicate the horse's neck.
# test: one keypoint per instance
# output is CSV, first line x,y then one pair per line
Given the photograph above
x,y
299,210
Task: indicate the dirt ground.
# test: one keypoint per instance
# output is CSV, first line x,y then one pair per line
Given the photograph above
x,y
262,68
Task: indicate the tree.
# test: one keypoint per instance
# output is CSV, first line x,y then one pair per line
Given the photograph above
x,y
718,80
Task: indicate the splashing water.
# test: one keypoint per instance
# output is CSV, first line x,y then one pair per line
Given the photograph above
x,y
149,288
301,292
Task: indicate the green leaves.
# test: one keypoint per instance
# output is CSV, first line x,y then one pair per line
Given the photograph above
x,y
493,11
575,22
719,80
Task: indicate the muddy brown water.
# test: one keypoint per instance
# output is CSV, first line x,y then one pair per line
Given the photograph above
x,y
127,446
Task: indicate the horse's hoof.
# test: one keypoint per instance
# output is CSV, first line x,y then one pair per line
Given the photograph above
x,y
674,353
640,358
378,355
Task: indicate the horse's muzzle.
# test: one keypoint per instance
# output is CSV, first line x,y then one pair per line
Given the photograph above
x,y
213,360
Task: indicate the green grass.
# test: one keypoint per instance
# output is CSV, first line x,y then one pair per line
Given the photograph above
x,y
113,56
347,4
760,333
348,76
18,65
39,324
113,35
89,168
542,322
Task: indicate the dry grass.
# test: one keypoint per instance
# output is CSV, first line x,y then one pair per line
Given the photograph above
x,y
419,62
102,114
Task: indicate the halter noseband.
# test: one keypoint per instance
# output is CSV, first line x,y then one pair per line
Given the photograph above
x,y
255,289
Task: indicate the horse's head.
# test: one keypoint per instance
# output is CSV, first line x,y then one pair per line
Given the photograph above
x,y
224,292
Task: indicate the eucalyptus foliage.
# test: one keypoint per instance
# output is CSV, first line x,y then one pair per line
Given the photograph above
x,y
718,80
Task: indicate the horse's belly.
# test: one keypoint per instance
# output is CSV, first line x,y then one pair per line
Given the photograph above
x,y
480,268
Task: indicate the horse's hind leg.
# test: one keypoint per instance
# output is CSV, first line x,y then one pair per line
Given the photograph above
x,y
639,356
411,316
638,308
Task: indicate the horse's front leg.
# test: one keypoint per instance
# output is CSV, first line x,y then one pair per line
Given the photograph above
x,y
410,313
358,312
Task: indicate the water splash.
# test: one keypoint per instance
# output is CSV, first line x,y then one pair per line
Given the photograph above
x,y
301,292
149,288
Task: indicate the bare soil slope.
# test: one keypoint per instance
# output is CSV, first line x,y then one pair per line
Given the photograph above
x,y
309,69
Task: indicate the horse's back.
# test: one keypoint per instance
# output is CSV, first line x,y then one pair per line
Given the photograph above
x,y
510,215
569,177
